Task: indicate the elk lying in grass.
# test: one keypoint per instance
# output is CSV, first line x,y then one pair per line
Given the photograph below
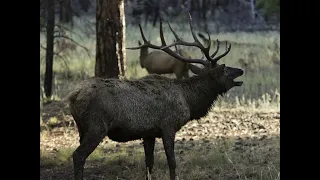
x,y
159,62
150,107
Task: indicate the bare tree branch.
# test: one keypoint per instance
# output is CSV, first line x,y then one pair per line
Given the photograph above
x,y
60,28
66,37
58,55
67,29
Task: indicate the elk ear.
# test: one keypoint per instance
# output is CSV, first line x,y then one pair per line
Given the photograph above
x,y
139,42
218,71
194,69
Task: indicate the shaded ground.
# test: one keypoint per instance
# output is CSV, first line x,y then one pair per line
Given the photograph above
x,y
225,145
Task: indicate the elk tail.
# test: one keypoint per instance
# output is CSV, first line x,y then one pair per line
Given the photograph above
x,y
72,96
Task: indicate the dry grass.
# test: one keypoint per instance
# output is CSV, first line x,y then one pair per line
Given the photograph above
x,y
238,144
219,160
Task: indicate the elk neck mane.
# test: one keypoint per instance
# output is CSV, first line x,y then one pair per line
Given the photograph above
x,y
200,93
144,52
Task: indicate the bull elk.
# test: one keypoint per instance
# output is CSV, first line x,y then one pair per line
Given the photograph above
x,y
160,62
150,107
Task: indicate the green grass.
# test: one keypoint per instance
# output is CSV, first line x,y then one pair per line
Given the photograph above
x,y
261,76
212,161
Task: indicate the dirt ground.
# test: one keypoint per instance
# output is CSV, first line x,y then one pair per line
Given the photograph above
x,y
227,144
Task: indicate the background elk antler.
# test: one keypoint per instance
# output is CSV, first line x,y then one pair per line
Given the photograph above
x,y
205,50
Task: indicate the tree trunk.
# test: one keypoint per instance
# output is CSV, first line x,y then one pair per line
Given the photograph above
x,y
85,5
122,40
253,11
110,30
66,12
49,50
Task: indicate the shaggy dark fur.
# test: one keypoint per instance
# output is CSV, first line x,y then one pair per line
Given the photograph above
x,y
147,108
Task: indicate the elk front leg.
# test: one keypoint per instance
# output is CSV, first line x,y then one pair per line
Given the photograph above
x,y
178,72
148,145
168,143
186,74
178,76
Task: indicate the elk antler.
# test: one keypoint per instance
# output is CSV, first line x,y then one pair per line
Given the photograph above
x,y
196,43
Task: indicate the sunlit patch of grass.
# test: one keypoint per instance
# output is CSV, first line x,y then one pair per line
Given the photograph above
x,y
53,121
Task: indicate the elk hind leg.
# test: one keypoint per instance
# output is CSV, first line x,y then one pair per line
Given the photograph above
x,y
89,142
148,145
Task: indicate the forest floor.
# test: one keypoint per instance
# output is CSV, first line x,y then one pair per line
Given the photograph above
x,y
227,145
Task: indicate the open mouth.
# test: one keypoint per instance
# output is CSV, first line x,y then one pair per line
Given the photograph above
x,y
238,83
